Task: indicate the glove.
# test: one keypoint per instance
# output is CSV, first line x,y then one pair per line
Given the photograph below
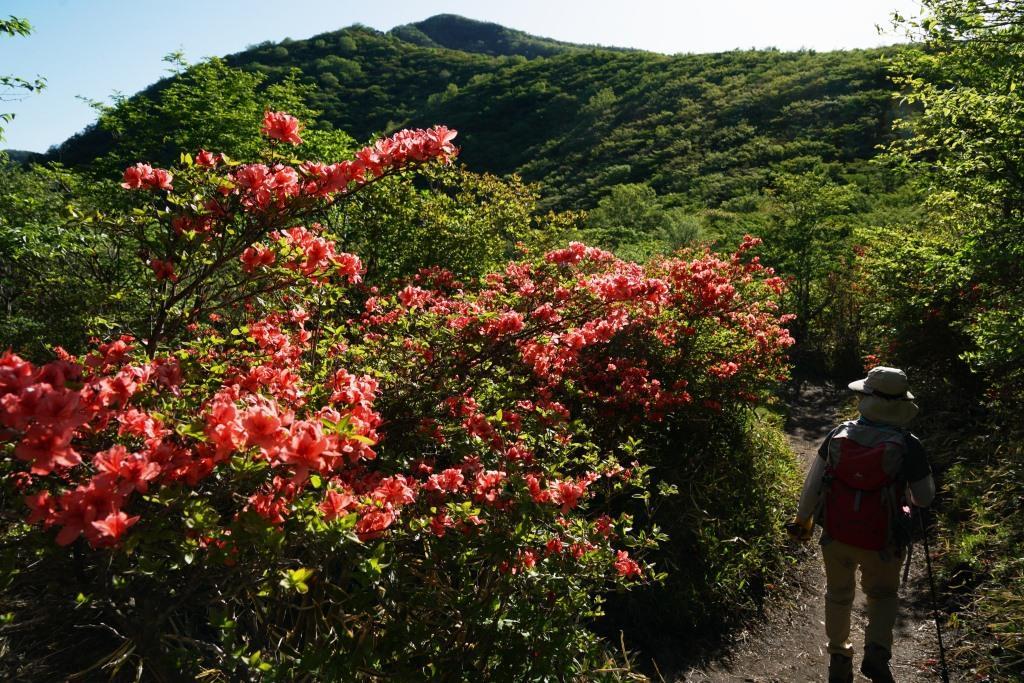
x,y
800,531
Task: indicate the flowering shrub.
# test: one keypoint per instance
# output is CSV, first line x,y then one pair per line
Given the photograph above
x,y
276,486
584,331
667,358
271,484
215,233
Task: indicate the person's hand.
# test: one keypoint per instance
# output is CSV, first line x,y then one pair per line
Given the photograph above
x,y
800,530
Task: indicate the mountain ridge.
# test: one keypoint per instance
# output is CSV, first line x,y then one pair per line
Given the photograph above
x,y
456,32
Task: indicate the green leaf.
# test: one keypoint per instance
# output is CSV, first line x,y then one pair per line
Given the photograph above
x,y
195,430
295,579
301,574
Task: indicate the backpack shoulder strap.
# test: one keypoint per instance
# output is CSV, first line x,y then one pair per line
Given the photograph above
x,y
833,447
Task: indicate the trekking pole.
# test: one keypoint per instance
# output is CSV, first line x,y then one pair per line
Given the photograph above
x,y
935,607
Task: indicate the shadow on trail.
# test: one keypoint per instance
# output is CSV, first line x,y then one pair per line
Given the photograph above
x,y
814,409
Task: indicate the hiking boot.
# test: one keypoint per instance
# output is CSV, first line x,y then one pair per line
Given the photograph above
x,y
840,669
876,664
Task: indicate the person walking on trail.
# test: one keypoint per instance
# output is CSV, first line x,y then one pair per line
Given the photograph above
x,y
859,488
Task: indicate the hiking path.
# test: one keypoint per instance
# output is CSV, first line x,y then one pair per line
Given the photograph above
x,y
788,645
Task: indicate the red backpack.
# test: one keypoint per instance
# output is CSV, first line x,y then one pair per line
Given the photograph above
x,y
863,500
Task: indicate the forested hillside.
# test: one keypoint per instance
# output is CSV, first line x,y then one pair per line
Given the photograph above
x,y
706,128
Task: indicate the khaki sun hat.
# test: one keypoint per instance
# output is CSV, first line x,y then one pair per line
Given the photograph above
x,y
886,396
890,383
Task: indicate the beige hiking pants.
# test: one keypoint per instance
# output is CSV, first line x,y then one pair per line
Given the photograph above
x,y
880,581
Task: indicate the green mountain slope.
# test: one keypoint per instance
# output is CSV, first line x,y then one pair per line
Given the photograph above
x,y
708,128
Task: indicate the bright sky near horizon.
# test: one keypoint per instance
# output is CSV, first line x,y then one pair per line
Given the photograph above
x,y
92,48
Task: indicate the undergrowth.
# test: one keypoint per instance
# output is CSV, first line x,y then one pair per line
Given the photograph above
x,y
736,485
981,524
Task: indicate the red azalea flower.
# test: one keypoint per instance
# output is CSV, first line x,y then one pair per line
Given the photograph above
x,y
625,566
114,525
280,126
207,159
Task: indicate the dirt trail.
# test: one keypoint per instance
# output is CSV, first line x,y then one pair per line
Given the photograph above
x,y
788,646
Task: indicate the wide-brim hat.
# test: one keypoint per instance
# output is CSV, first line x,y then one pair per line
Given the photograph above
x,y
886,397
886,383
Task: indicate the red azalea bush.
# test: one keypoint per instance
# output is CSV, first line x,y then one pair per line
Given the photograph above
x,y
270,484
244,482
608,341
669,358
215,234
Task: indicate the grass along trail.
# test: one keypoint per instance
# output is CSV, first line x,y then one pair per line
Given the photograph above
x,y
788,646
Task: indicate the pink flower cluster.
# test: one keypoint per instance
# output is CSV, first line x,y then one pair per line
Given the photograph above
x,y
45,411
566,314
261,187
281,188
619,342
82,421
303,250
577,252
385,156
564,493
280,126
625,565
144,176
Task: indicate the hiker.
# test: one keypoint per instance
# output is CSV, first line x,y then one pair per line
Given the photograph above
x,y
858,489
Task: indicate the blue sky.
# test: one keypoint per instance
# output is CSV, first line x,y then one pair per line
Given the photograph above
x,y
92,48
